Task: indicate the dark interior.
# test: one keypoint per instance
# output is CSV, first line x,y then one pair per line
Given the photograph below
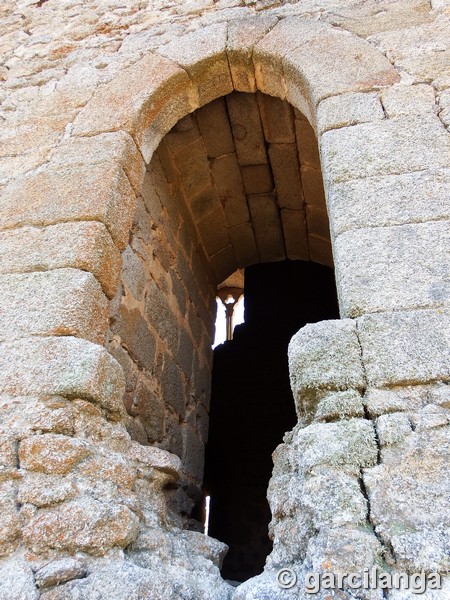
x,y
252,404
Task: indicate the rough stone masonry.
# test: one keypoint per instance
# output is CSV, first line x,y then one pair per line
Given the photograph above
x,y
148,149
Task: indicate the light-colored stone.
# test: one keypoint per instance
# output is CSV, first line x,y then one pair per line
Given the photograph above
x,y
152,93
324,356
392,428
43,490
60,571
372,266
421,51
59,302
384,148
309,69
391,200
243,34
102,193
408,503
400,100
63,366
347,444
156,458
43,248
348,109
63,527
339,405
115,147
405,347
203,54
16,580
52,454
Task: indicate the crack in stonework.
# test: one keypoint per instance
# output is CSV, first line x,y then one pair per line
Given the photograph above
x,y
361,481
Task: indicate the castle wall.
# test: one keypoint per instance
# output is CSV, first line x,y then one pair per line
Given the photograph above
x,y
88,93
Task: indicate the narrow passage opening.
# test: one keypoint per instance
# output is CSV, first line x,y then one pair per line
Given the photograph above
x,y
252,405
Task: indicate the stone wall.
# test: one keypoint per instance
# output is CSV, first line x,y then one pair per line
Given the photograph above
x,y
162,327
88,93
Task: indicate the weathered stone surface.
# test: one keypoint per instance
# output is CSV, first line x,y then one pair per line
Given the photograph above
x,y
212,120
43,490
387,147
84,93
228,179
389,200
408,501
136,336
308,68
348,444
407,347
114,147
16,580
295,234
63,366
277,118
325,356
421,51
149,406
348,109
203,55
286,173
392,428
8,451
63,527
52,454
102,193
193,453
338,405
44,248
247,129
243,34
133,273
152,92
119,579
373,264
192,163
242,238
157,458
58,302
60,571
267,227
400,100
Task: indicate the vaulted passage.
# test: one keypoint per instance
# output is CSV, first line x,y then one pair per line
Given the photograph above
x,y
235,185
252,405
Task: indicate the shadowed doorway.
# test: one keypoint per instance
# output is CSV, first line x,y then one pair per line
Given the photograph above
x,y
252,404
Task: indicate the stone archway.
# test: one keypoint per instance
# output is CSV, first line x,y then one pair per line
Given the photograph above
x,y
62,391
